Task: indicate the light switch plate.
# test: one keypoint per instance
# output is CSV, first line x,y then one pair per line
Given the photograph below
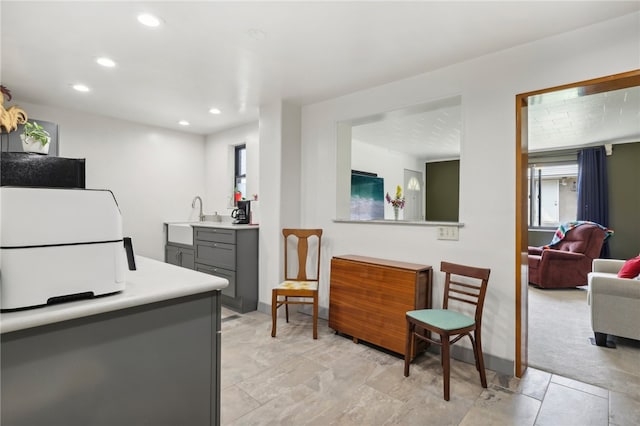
x,y
448,233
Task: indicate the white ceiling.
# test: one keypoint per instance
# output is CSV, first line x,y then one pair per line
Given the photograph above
x,y
239,55
565,119
556,120
427,132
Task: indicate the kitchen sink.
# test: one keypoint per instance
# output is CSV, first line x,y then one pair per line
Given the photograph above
x,y
180,233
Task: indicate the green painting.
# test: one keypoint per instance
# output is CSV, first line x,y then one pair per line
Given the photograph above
x,y
367,197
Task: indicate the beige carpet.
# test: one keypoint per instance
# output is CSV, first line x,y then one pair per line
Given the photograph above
x,y
559,333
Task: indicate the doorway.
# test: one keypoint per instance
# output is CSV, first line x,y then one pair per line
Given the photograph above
x,y
584,88
413,185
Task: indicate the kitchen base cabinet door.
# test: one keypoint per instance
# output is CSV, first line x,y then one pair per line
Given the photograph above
x,y
180,256
155,364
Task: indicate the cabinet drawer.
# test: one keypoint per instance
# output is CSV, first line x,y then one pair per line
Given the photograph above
x,y
222,273
216,235
216,254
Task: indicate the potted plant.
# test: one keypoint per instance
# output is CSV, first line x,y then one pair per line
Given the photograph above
x,y
35,138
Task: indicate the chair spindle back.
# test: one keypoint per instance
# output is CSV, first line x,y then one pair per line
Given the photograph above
x,y
467,291
303,236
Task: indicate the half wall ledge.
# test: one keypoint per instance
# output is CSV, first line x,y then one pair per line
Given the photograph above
x,y
400,222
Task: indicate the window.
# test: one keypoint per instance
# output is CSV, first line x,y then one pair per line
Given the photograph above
x,y
553,195
240,180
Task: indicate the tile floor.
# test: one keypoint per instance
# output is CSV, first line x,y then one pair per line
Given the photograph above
x,y
295,380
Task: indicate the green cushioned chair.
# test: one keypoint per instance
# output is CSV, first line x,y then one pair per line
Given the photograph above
x,y
464,284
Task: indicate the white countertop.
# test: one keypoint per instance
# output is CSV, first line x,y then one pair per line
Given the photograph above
x,y
153,281
208,224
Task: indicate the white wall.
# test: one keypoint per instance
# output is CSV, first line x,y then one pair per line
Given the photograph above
x,y
270,266
280,198
154,173
219,166
488,86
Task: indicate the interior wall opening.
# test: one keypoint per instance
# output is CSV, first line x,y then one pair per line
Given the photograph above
x,y
525,148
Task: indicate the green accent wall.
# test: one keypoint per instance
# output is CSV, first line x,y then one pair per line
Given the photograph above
x,y
623,171
442,191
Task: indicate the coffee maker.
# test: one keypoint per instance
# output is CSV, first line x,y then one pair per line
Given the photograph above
x,y
242,214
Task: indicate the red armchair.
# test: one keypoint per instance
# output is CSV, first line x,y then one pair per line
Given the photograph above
x,y
566,263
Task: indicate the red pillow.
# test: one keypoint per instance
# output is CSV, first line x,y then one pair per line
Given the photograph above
x,y
630,269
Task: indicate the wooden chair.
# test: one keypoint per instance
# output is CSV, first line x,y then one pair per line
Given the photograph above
x,y
465,284
300,285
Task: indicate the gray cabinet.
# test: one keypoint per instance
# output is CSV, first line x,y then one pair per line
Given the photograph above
x,y
155,364
179,255
230,254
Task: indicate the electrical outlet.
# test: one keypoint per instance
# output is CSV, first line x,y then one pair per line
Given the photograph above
x,y
448,233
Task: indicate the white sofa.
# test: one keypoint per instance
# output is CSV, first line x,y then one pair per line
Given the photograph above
x,y
614,302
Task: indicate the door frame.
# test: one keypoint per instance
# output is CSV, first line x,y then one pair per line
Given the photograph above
x,y
588,87
420,197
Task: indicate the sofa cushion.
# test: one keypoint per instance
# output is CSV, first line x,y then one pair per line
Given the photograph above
x,y
630,269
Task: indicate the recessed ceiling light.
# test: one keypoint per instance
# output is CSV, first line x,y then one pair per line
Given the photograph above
x,y
215,111
80,88
183,122
106,62
148,20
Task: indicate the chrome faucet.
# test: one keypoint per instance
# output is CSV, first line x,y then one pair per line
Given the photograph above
x,y
193,205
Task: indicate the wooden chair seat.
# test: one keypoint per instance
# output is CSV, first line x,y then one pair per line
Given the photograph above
x,y
298,285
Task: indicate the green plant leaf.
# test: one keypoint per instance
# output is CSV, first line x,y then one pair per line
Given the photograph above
x,y
36,131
